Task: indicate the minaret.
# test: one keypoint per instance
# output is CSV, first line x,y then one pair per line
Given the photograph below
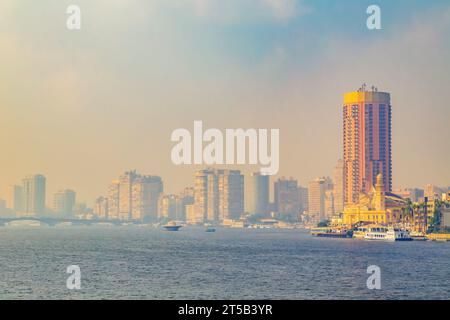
x,y
380,204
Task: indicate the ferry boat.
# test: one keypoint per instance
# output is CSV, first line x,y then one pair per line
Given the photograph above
x,y
172,226
381,233
360,232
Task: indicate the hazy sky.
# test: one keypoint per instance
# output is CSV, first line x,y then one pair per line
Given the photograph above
x,y
83,106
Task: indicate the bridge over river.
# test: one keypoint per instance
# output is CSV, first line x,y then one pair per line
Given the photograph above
x,y
56,221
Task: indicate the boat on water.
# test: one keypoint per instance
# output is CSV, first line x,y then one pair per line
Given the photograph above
x,y
172,226
328,232
360,232
418,236
210,229
380,233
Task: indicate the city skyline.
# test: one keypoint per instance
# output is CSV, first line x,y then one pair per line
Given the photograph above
x,y
79,138
137,197
219,194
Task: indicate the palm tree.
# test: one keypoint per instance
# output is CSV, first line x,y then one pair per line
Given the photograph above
x,y
407,212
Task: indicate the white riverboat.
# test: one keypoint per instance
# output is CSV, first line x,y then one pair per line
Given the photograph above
x,y
380,233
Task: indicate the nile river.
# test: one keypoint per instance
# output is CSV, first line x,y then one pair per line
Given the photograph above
x,y
131,262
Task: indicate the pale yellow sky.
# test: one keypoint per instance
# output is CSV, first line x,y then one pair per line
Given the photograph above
x,y
82,107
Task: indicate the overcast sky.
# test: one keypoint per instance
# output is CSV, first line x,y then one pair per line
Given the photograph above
x,y
83,106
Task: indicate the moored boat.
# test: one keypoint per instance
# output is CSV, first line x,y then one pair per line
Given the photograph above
x,y
382,233
360,232
330,233
418,236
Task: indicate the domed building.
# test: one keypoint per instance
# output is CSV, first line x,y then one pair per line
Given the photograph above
x,y
377,206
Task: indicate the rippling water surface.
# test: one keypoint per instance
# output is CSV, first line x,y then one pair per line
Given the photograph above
x,y
148,263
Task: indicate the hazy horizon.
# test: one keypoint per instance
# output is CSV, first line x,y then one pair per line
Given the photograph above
x,y
81,107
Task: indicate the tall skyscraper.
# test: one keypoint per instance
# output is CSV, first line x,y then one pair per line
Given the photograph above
x,y
101,208
126,182
329,203
134,197
113,200
316,195
146,191
219,194
33,188
168,207
64,202
259,194
231,194
14,199
286,197
186,198
367,142
191,217
206,197
338,186
303,198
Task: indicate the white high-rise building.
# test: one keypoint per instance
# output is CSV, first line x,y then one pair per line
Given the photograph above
x,y
218,195
101,208
231,194
303,198
146,192
186,198
286,197
169,207
126,183
320,198
259,194
316,195
206,199
64,202
33,196
134,197
113,200
14,199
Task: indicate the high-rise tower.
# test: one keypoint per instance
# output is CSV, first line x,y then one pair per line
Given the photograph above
x,y
64,202
134,196
219,195
367,142
33,188
259,194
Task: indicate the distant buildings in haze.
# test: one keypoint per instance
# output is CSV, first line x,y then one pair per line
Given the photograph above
x,y
64,202
259,195
134,197
218,195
